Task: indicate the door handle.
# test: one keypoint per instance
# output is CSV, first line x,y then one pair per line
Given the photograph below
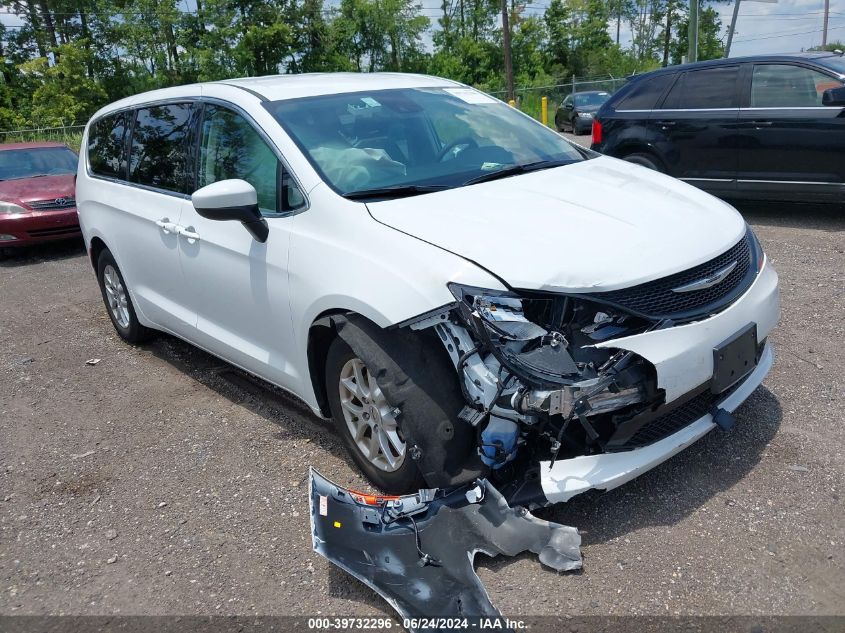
x,y
761,123
167,226
189,234
666,123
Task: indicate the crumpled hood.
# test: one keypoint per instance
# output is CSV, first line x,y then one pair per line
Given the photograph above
x,y
601,224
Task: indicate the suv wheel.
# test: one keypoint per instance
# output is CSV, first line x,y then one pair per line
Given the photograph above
x,y
118,303
643,159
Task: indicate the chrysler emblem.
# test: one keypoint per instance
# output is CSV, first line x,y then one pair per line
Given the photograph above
x,y
707,282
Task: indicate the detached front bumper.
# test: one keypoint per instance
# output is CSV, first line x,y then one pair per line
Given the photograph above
x,y
38,226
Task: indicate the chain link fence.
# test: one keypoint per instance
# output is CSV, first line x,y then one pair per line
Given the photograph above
x,y
529,99
71,135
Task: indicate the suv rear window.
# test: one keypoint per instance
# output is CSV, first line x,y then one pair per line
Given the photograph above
x,y
159,152
644,93
705,89
107,146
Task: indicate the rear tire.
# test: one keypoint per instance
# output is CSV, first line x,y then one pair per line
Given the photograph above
x,y
644,160
351,399
117,301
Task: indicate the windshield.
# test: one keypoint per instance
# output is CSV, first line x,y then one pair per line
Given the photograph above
x,y
592,99
42,161
835,63
431,138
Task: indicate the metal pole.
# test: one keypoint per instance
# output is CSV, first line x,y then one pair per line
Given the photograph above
x,y
506,36
732,29
826,16
693,31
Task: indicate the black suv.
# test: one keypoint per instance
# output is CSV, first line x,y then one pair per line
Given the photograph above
x,y
770,128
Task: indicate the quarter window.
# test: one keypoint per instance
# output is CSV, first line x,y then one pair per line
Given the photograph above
x,y
107,146
707,89
787,86
160,145
231,148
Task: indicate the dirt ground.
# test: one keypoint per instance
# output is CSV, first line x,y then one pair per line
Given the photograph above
x,y
162,481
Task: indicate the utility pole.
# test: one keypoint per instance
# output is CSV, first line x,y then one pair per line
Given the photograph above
x,y
826,17
732,28
506,35
693,31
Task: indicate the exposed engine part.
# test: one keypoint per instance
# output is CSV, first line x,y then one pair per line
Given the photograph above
x,y
532,361
417,551
498,442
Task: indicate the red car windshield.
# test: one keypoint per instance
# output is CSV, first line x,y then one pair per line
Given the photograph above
x,y
40,161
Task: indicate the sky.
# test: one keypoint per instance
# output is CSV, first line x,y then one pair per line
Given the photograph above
x,y
784,26
787,26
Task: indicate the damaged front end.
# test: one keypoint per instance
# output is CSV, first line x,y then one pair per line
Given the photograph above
x,y
559,393
417,550
536,385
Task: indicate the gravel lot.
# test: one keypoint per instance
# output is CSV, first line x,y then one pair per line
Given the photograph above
x,y
162,481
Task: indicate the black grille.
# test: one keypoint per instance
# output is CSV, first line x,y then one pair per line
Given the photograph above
x,y
656,298
683,416
674,421
55,232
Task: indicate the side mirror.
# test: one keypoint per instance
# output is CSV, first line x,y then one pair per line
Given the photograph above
x,y
834,97
569,106
232,200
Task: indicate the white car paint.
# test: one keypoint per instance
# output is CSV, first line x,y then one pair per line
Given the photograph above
x,y
568,228
600,224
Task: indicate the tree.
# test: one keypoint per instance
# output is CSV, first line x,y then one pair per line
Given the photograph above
x,y
379,34
65,95
710,44
528,42
645,18
577,34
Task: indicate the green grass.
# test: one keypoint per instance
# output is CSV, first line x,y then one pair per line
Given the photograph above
x,y
72,139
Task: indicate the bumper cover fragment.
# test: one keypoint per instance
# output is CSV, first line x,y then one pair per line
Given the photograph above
x,y
417,551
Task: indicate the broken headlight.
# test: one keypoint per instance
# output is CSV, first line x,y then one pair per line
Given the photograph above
x,y
524,347
543,339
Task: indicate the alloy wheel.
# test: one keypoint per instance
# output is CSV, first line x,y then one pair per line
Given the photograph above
x,y
116,296
370,419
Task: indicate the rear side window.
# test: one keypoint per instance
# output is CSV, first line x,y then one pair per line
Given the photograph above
x,y
644,93
107,145
705,89
786,86
158,156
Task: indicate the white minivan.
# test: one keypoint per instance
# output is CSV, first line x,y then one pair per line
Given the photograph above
x,y
465,292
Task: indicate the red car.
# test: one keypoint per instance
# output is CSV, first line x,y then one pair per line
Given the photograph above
x,y
37,200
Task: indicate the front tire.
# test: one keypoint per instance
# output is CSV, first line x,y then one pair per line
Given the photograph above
x,y
367,424
118,302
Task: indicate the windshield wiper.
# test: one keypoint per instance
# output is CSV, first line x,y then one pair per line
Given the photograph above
x,y
515,170
398,191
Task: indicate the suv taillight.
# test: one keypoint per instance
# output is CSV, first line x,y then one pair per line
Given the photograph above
x,y
596,131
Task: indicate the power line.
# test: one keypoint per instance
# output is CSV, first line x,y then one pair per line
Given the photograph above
x,y
769,37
